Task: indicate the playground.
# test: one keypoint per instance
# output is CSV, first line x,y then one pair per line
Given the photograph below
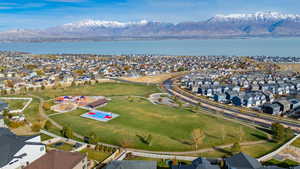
x,y
65,104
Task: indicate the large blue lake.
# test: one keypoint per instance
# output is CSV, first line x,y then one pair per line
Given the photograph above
x,y
246,47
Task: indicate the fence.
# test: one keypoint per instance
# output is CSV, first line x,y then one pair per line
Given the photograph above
x,y
270,155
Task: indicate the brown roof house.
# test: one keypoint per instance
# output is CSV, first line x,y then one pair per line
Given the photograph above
x,y
55,159
97,103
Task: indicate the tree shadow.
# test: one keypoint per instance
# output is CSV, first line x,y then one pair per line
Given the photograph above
x,y
221,150
212,136
186,142
260,137
264,130
142,139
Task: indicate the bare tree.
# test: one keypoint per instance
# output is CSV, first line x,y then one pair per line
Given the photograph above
x,y
241,133
223,132
198,137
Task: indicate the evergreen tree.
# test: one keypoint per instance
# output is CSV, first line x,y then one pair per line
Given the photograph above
x,y
67,132
278,131
236,148
48,125
93,139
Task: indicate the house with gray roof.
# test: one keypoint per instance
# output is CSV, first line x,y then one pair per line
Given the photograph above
x,y
19,151
220,97
131,165
273,108
199,163
3,106
285,105
295,103
243,161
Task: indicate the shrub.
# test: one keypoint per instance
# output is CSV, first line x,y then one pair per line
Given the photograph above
x,y
48,125
36,127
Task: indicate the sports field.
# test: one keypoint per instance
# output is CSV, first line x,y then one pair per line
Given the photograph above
x,y
170,128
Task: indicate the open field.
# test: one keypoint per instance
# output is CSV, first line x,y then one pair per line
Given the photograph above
x,y
284,164
15,104
290,66
256,151
103,89
169,127
153,79
32,112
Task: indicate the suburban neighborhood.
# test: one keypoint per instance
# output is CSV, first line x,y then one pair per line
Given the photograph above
x,y
76,111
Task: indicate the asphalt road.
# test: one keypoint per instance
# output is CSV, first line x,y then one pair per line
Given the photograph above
x,y
227,112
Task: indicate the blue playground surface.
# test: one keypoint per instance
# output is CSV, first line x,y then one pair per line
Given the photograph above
x,y
99,115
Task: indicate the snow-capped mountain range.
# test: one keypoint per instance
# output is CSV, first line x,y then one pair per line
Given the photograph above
x,y
220,26
107,24
259,16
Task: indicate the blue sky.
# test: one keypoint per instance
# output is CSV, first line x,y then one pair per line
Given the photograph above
x,y
38,14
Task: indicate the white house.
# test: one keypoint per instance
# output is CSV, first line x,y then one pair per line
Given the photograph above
x,y
19,151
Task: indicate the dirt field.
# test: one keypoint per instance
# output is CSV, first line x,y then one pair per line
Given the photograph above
x,y
153,79
290,66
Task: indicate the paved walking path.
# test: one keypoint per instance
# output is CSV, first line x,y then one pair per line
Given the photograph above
x,y
44,115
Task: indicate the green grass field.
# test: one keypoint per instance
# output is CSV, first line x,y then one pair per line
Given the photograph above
x,y
64,147
296,143
32,112
95,155
256,151
102,89
284,164
170,128
15,104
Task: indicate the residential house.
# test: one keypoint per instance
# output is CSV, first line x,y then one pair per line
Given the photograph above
x,y
295,103
3,106
231,94
199,163
55,159
269,96
220,97
131,165
19,151
243,161
285,105
239,100
273,108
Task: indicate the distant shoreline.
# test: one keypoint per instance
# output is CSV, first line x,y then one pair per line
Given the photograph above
x,y
117,39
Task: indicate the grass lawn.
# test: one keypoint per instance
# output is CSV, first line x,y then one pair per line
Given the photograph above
x,y
15,104
32,112
284,164
45,137
256,151
95,155
296,143
64,147
169,127
102,89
